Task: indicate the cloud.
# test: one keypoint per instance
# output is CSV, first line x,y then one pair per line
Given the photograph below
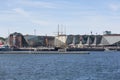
x,y
39,22
40,4
31,18
21,12
114,7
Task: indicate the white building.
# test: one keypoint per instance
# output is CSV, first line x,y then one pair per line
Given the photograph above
x,y
60,41
110,40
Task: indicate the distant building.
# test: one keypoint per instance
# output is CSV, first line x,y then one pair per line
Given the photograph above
x,y
107,32
110,40
93,40
39,41
17,40
2,40
60,41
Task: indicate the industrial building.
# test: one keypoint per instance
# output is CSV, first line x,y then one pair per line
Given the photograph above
x,y
77,41
60,41
37,41
93,40
17,40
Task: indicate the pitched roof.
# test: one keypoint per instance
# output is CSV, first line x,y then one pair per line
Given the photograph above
x,y
109,40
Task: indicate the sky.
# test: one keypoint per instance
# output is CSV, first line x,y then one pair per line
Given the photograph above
x,y
41,17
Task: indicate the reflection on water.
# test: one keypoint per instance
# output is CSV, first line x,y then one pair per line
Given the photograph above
x,y
94,66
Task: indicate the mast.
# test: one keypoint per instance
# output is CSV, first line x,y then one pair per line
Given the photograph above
x,y
8,42
58,30
35,32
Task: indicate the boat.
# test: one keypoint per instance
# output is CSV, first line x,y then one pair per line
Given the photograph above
x,y
110,50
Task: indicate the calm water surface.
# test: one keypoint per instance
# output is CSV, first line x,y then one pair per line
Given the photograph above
x,y
94,66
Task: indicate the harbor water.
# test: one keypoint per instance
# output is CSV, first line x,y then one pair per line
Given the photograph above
x,y
93,66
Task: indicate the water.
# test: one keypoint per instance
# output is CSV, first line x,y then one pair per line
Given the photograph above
x,y
94,66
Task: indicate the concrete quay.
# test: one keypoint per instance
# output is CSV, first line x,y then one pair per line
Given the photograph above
x,y
43,52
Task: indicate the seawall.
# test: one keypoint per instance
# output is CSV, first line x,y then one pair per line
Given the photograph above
x,y
43,52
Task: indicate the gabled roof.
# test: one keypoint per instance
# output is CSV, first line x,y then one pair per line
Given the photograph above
x,y
109,40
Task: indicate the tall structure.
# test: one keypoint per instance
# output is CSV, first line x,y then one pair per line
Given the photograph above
x,y
58,30
17,40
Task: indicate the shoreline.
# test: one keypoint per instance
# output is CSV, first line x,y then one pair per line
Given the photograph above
x,y
44,52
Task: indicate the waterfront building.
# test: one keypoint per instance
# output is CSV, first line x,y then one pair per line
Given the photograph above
x,y
75,41
17,40
93,40
97,40
110,40
2,40
39,41
60,41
